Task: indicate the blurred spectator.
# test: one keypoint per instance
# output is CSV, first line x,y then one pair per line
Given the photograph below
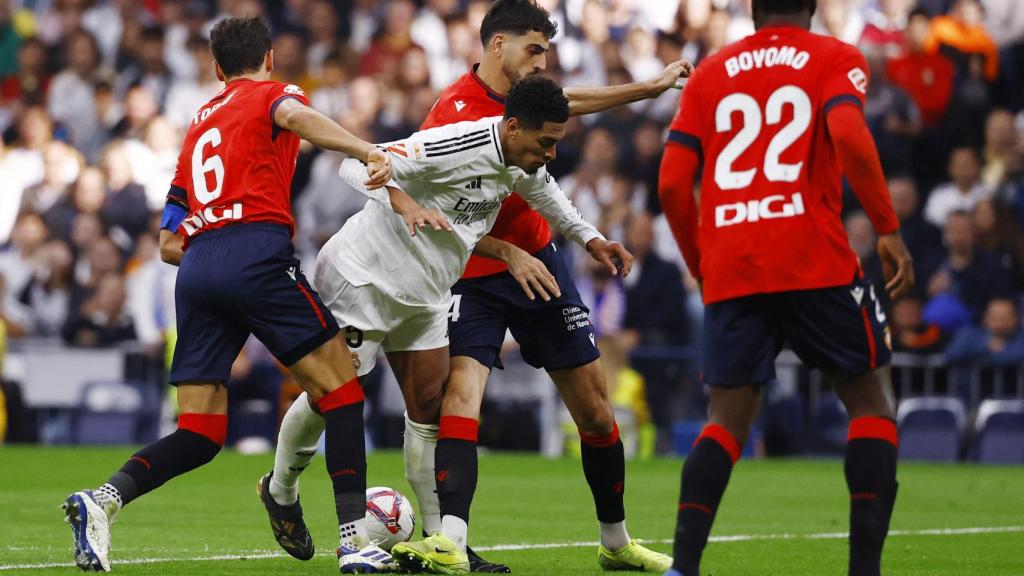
x,y
391,42
429,30
910,332
16,260
923,239
962,192
961,35
654,291
47,295
150,288
998,341
27,83
101,320
322,22
996,233
151,161
893,118
972,276
59,170
71,100
187,95
884,31
290,63
927,78
1002,146
331,97
835,18
148,68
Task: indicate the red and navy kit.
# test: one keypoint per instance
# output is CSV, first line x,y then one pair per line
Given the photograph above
x,y
230,200
235,164
770,207
487,301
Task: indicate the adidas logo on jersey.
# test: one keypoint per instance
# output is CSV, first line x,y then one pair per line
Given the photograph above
x,y
474,184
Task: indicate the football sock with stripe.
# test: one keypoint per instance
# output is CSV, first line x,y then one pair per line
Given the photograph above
x,y
604,466
197,440
296,446
455,472
345,445
418,445
705,476
870,467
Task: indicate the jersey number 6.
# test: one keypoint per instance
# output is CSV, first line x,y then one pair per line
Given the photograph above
x,y
212,164
774,170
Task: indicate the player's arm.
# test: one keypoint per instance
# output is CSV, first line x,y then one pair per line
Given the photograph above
x,y
590,100
679,167
175,211
308,124
391,195
858,157
543,194
533,276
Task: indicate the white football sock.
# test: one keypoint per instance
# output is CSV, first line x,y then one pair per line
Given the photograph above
x,y
352,535
614,536
456,529
296,446
418,446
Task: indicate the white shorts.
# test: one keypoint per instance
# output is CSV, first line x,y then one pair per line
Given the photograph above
x,y
371,320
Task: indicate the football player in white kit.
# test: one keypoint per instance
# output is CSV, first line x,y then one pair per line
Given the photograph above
x,y
386,277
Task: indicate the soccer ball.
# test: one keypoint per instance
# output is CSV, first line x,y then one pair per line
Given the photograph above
x,y
389,517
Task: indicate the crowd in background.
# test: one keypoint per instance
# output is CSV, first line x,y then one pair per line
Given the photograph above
x,y
95,96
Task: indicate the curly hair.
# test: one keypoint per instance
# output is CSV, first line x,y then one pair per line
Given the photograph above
x,y
784,6
240,44
536,100
517,17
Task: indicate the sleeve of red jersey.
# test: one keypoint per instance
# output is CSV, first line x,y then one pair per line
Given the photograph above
x,y
279,92
843,98
679,167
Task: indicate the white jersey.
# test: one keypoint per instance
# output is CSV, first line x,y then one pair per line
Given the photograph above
x,y
460,170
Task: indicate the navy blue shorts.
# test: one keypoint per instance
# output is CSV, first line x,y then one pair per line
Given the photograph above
x,y
240,280
840,329
554,335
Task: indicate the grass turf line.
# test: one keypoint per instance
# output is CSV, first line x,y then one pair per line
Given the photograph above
x,y
521,499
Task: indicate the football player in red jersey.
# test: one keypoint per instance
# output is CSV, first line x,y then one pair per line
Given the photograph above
x,y
776,120
515,281
228,226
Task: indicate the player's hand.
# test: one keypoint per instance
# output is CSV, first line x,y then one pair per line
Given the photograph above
x,y
613,255
670,76
419,217
533,276
897,265
378,169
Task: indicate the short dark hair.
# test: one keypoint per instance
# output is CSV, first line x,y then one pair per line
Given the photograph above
x,y
240,44
517,17
765,7
535,100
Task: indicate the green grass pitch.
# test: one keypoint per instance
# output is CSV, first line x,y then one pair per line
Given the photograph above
x,y
211,522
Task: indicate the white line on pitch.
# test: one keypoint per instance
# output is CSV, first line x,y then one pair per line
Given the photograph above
x,y
260,555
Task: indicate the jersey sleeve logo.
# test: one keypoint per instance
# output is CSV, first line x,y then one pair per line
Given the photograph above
x,y
859,80
459,105
293,89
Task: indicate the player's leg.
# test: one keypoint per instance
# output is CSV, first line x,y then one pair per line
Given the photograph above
x,y
209,342
202,428
741,341
421,375
870,467
850,347
287,315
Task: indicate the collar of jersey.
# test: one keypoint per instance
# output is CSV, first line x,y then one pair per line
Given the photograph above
x,y
490,93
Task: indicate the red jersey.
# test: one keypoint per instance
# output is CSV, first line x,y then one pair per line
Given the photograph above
x,y
236,165
770,195
928,79
470,99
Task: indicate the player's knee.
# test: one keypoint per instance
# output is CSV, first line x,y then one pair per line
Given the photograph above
x,y
424,401
461,399
597,419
